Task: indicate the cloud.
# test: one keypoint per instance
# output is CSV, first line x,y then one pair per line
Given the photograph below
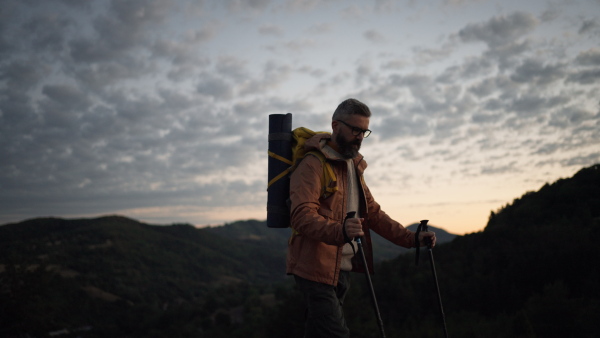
x,y
590,26
427,55
402,124
486,118
582,160
232,67
354,12
123,28
273,75
67,97
500,30
549,15
473,67
590,57
570,117
250,5
87,50
296,45
532,104
494,169
506,56
374,36
494,85
22,74
270,29
45,31
538,72
394,64
459,2
585,77
213,86
321,28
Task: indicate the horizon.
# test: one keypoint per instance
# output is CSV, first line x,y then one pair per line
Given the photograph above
x,y
175,223
199,226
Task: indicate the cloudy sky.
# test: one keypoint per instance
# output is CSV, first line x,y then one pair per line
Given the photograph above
x,y
158,110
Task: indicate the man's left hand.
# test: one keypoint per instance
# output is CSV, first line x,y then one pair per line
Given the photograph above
x,y
426,237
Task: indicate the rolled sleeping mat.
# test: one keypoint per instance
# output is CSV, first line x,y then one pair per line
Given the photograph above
x,y
280,145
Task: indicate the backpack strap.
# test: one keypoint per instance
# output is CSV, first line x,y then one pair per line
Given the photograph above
x,y
283,173
328,181
328,178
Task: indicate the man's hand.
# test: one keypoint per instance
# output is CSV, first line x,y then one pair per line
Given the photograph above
x,y
426,237
354,227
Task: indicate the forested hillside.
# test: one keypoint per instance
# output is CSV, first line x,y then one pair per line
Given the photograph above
x,y
256,233
533,272
113,275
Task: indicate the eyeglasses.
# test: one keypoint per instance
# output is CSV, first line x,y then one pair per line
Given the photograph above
x,y
357,131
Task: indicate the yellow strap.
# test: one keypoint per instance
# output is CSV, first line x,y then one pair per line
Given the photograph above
x,y
332,178
279,157
276,178
285,172
328,179
294,234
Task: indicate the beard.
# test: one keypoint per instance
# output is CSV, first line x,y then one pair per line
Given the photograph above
x,y
348,149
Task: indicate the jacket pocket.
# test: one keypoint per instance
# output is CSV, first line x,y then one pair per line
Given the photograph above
x,y
327,213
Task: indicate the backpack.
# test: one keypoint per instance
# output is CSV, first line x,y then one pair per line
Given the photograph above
x,y
278,208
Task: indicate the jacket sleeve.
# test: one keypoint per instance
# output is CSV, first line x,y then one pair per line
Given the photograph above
x,y
308,216
384,225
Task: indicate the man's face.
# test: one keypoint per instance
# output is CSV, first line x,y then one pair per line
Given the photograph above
x,y
348,143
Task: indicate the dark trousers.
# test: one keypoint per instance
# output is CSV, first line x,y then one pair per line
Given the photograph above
x,y
325,316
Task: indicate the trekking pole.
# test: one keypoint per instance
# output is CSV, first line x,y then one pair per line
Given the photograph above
x,y
423,227
364,260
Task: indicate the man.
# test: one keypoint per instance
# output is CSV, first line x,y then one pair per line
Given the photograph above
x,y
321,251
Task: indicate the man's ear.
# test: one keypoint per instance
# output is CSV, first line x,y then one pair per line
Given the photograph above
x,y
334,125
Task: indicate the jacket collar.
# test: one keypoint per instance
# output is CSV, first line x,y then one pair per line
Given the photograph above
x,y
319,141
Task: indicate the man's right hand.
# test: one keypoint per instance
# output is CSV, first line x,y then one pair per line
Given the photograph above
x,y
354,227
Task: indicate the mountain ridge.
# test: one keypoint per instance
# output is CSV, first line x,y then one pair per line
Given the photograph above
x,y
532,272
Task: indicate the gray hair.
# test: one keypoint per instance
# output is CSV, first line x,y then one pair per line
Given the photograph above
x,y
351,107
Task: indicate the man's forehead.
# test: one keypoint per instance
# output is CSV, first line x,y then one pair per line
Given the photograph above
x,y
358,120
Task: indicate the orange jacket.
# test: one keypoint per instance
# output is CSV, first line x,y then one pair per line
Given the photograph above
x,y
315,252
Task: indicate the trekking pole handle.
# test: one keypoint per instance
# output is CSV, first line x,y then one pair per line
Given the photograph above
x,y
421,227
424,225
351,214
348,215
426,229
